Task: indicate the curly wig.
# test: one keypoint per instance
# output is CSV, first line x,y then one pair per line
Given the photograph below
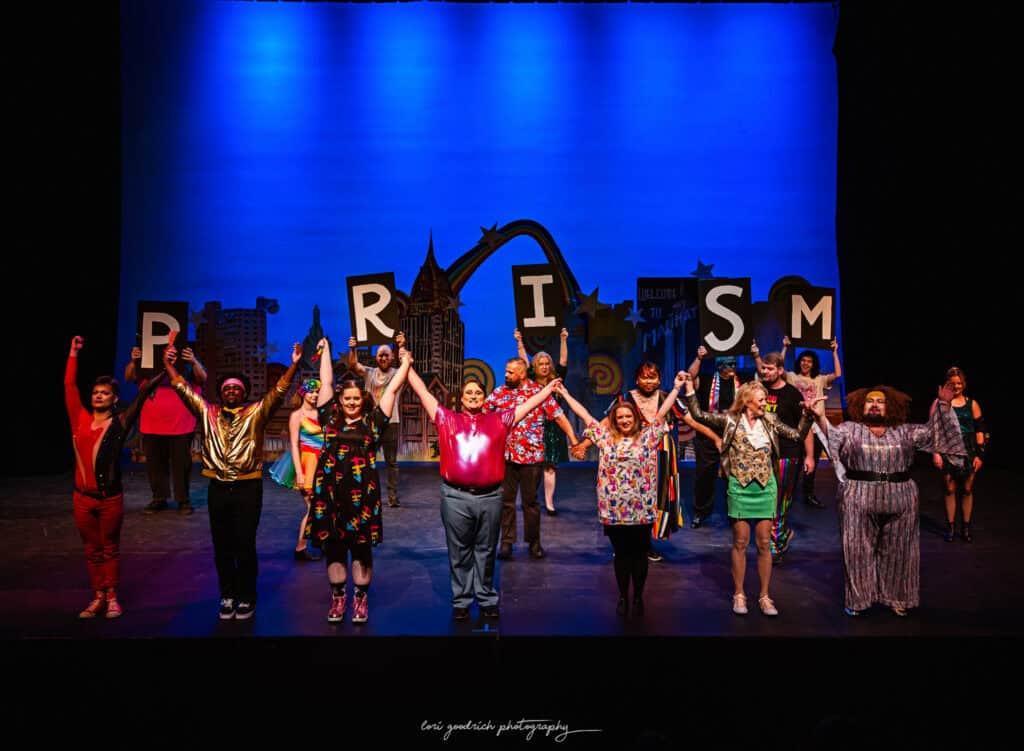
x,y
897,405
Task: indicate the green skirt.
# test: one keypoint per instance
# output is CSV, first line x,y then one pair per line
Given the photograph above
x,y
753,501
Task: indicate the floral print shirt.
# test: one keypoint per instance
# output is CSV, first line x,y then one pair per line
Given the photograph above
x,y
525,444
627,475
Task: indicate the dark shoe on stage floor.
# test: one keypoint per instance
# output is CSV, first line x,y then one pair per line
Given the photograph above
x,y
154,507
244,611
185,509
394,503
536,551
227,609
490,611
813,502
698,522
638,606
950,532
551,511
897,610
654,556
623,607
306,555
506,551
460,614
777,558
965,532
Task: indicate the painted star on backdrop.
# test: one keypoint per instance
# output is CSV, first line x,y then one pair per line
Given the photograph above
x,y
455,303
590,305
492,238
635,318
197,318
703,270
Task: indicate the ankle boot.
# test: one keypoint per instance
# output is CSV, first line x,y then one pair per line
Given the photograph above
x,y
965,532
949,533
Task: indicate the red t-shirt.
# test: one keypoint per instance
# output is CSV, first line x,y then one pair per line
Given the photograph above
x,y
165,414
473,446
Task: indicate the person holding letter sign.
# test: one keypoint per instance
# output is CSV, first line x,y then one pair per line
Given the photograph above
x,y
232,441
629,447
167,428
472,448
375,381
878,502
556,449
97,435
750,453
345,517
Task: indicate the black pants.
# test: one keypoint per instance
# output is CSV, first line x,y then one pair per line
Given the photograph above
x,y
389,442
235,509
168,463
707,459
524,479
630,543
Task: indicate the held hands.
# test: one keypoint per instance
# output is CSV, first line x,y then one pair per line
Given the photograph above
x,y
815,407
400,339
296,353
682,378
578,452
404,354
76,345
558,387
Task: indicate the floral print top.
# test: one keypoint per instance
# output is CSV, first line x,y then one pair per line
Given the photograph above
x,y
627,475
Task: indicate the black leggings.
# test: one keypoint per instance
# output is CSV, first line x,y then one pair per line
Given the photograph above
x,y
336,551
630,543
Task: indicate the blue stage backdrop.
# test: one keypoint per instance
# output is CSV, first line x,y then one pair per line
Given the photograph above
x,y
272,149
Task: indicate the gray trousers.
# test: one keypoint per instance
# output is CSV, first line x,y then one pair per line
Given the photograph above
x,y
472,524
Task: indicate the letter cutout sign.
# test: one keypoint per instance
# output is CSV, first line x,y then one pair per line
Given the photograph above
x,y
539,303
726,323
811,317
373,308
154,321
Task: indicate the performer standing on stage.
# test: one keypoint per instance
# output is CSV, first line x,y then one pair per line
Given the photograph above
x,y
375,381
648,398
98,501
524,457
346,513
472,448
784,402
556,449
716,395
232,441
750,453
972,430
167,428
627,484
878,503
297,465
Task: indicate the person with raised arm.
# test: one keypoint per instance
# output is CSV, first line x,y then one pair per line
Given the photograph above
x,y
472,447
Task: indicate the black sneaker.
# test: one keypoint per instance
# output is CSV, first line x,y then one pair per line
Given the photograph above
x,y
394,503
154,506
813,502
460,614
697,523
227,609
490,611
245,610
185,509
654,556
536,551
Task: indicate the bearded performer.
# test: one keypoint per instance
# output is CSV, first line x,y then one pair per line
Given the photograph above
x,y
878,503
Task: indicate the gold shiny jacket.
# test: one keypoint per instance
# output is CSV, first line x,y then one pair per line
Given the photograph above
x,y
232,444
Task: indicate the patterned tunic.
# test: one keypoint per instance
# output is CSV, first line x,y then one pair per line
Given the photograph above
x,y
878,519
525,444
346,490
627,475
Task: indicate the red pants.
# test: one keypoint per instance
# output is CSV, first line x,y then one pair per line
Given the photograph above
x,y
99,523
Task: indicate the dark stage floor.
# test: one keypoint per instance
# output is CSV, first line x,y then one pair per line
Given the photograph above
x,y
558,611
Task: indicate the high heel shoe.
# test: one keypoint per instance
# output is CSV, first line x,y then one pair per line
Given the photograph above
x,y
965,532
622,608
950,532
551,511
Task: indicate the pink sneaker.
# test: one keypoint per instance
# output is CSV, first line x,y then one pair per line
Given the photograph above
x,y
337,611
360,609
95,607
113,607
